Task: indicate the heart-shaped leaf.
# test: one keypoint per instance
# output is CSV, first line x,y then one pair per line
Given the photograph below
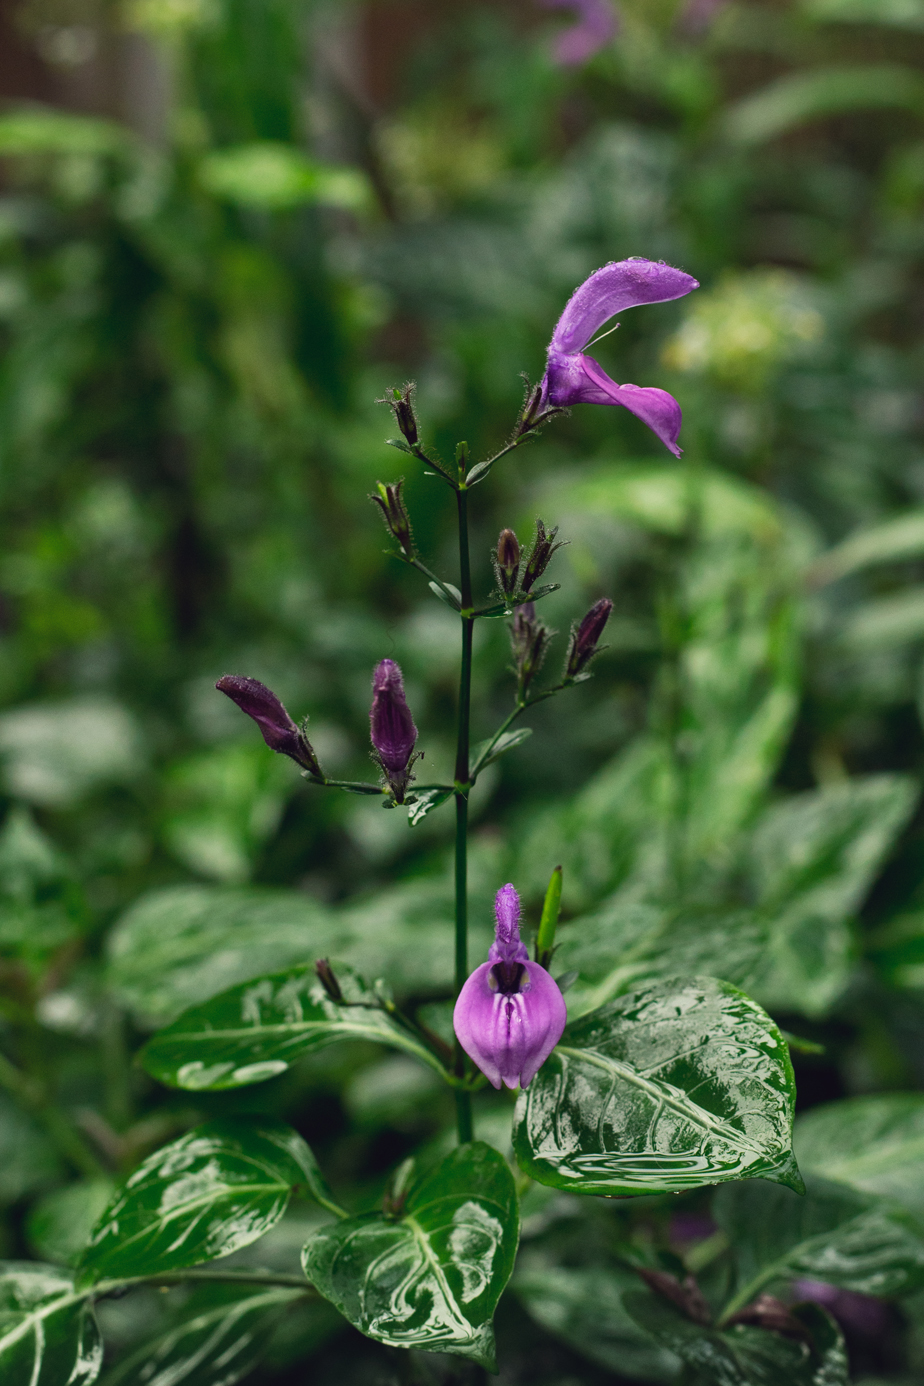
x,y
219,1336
832,1234
219,1187
431,1278
257,1029
48,1334
874,1144
741,1355
677,1085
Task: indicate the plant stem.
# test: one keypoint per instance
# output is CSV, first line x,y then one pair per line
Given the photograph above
x,y
463,1099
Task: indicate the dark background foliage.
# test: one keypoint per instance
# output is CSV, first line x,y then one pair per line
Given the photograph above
x,y
226,226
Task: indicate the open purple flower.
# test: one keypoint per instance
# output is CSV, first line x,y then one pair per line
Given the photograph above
x,y
391,726
597,24
573,378
510,1014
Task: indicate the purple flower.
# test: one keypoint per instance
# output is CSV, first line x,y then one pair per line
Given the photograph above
x,y
276,726
585,637
510,1013
391,725
573,378
597,25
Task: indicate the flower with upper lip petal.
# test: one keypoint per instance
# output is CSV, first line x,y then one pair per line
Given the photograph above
x,y
571,377
510,1014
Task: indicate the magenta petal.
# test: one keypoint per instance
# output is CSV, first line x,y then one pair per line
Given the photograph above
x,y
656,408
623,284
509,1035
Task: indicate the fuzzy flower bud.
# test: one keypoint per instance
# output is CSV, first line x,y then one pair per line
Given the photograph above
x,y
543,547
507,562
394,512
405,418
391,726
530,641
276,726
583,645
510,1013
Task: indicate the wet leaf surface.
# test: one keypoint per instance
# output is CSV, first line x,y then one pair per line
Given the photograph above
x,y
48,1334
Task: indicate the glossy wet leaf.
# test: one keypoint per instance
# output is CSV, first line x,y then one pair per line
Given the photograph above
x,y
583,1306
831,1233
676,1085
874,1144
219,1187
48,1334
219,1336
425,800
178,946
432,1278
256,1030
741,1355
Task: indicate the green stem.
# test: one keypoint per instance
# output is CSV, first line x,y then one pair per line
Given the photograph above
x,y
463,1098
64,1135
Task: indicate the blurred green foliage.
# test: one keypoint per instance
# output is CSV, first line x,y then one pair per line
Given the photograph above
x,y
193,332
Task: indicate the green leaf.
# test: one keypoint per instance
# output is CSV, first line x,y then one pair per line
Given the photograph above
x,y
276,177
256,1030
48,1334
817,94
677,1085
221,1335
898,14
425,800
891,542
219,1187
60,1224
831,1233
40,130
583,1306
813,859
485,754
181,945
873,1144
745,1356
448,594
430,1279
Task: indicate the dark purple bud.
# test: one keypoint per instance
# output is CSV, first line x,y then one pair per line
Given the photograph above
x,y
405,418
397,521
328,980
391,725
543,547
507,561
510,1014
530,641
584,637
276,726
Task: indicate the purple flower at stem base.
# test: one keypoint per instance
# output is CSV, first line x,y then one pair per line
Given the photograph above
x,y
510,1014
571,377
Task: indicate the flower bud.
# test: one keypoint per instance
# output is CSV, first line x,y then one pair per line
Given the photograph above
x,y
507,562
405,417
397,521
583,645
328,980
391,726
530,412
530,641
543,547
510,1014
276,726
